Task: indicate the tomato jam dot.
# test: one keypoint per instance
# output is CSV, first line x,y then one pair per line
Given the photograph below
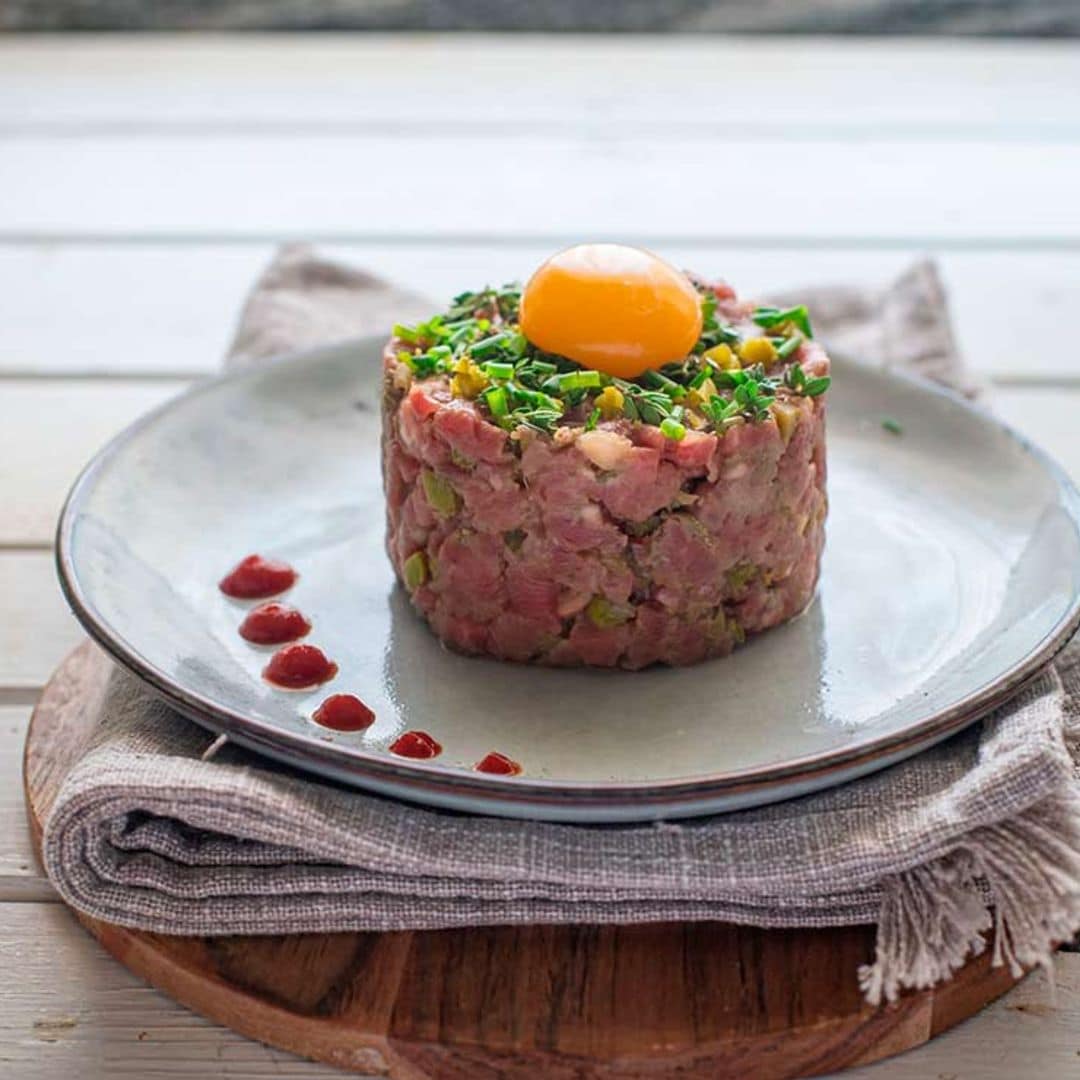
x,y
415,744
273,624
296,667
343,712
498,764
256,578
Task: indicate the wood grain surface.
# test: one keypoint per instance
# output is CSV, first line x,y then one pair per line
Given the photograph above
x,y
695,999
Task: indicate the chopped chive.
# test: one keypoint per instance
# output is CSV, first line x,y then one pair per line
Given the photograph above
x,y
698,380
406,333
788,346
771,316
893,427
669,386
576,380
594,419
497,369
480,349
544,367
672,429
497,401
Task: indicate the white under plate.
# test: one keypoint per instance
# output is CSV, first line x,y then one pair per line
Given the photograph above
x,y
951,573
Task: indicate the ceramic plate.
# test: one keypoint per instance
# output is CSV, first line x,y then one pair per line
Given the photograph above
x,y
951,573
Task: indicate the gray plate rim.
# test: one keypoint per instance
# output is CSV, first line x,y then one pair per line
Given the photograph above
x,y
440,784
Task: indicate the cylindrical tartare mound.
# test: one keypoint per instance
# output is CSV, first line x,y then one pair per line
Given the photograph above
x,y
621,532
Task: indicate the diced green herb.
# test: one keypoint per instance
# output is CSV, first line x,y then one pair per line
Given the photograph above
x,y
662,382
772,316
594,419
497,401
817,386
672,429
498,369
893,427
788,345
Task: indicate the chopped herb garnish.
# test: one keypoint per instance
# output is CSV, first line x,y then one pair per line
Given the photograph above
x,y
772,316
893,427
478,348
497,402
498,369
788,346
672,429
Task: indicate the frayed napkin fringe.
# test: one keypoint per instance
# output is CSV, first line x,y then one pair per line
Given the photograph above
x,y
935,916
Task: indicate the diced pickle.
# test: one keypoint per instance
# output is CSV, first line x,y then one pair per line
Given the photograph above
x,y
786,417
469,380
603,613
415,570
758,350
610,402
723,357
741,574
439,493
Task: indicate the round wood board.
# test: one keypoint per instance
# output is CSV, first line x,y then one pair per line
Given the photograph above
x,y
680,999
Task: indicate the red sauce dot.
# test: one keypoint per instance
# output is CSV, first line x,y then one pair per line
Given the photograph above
x,y
343,712
273,624
297,667
256,578
498,764
415,744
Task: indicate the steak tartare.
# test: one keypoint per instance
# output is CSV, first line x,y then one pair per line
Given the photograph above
x,y
545,512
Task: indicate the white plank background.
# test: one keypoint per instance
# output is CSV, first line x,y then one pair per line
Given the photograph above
x,y
144,182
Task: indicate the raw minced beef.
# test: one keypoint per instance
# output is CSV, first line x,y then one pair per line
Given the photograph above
x,y
609,547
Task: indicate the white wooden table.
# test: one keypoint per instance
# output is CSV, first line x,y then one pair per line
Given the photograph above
x,y
143,182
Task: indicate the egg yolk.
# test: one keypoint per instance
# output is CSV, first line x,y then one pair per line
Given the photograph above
x,y
612,308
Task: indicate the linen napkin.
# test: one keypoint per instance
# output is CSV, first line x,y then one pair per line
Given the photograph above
x,y
147,834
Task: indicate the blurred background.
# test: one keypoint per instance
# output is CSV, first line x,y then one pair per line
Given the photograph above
x,y
962,17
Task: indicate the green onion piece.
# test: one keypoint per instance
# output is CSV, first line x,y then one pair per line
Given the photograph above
x,y
577,380
699,379
594,419
672,429
497,369
893,427
662,382
415,570
489,345
543,367
817,386
439,492
788,346
406,333
771,316
497,401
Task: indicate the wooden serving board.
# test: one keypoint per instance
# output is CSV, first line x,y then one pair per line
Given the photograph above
x,y
676,999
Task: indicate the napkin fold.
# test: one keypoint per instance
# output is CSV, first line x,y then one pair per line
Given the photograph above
x,y
976,839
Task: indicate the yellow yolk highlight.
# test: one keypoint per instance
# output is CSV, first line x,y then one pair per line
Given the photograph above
x,y
612,308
